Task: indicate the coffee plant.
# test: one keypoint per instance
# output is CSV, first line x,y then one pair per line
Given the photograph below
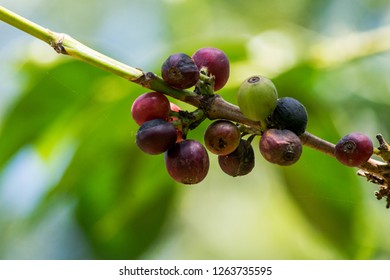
x,y
278,120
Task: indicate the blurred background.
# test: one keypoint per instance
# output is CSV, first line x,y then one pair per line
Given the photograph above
x,y
74,185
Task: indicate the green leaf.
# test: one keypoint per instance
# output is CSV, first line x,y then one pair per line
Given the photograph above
x,y
49,98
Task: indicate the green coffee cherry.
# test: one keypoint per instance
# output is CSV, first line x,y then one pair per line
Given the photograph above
x,y
257,98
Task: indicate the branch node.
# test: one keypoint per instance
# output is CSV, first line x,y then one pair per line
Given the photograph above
x,y
145,79
58,46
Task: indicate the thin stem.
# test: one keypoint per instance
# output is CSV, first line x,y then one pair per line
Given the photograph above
x,y
65,44
317,143
81,52
25,25
217,108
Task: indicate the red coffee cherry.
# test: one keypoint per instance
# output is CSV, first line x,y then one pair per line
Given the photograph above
x,y
354,149
216,62
149,106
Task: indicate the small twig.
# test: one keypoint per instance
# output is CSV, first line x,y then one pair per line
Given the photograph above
x,y
317,143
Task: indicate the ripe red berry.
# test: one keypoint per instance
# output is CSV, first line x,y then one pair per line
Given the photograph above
x,y
187,162
354,149
180,71
282,147
240,162
149,106
216,62
156,136
222,137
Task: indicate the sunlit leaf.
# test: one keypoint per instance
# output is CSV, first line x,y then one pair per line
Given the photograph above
x,y
55,96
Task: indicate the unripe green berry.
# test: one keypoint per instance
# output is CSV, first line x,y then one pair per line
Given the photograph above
x,y
257,97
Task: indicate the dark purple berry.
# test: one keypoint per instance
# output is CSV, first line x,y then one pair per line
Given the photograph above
x,y
156,136
217,64
282,147
354,149
222,137
187,162
240,162
289,114
180,71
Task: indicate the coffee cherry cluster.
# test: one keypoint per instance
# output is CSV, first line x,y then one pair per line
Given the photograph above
x,y
282,120
164,126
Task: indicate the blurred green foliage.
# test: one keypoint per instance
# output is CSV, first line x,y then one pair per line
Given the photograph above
x,y
73,184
